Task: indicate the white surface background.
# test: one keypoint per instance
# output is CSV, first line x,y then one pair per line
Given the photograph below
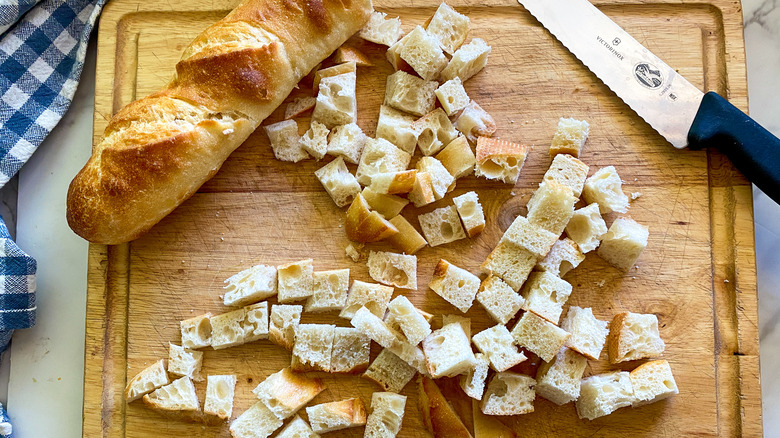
x,y
44,393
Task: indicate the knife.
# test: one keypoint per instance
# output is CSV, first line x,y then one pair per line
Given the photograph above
x,y
675,108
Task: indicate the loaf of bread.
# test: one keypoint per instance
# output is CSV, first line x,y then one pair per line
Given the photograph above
x,y
157,151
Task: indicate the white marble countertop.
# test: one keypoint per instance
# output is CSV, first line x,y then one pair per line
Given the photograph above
x,y
46,361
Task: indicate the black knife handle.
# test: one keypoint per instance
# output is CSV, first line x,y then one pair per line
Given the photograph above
x,y
752,149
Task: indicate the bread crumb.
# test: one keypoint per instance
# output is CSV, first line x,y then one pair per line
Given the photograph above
x,y
221,297
635,179
354,251
635,195
222,239
725,281
601,283
228,131
192,310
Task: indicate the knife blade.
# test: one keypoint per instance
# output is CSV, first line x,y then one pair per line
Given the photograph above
x,y
679,111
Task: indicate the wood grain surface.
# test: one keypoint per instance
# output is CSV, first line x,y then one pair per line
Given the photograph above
x,y
697,273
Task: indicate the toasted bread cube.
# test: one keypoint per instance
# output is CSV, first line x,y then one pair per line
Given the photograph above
x,y
473,382
497,344
393,183
652,381
568,171
381,30
149,379
586,227
551,206
284,141
456,285
255,323
219,396
399,270
387,413
467,61
327,417
588,334
452,96
474,122
386,205
470,212
539,336
509,393
569,138
371,295
347,141
623,243
330,291
564,256
438,415
500,159
422,191
295,281
376,329
448,352
396,127
255,422
349,53
297,428
559,380
634,336
390,371
530,236
448,28
380,156
545,294
606,189
340,184
336,101
299,107
350,352
458,158
441,179
363,225
500,301
413,324
284,320
410,94
510,262
285,392
408,240
434,131
313,347
603,394
442,226
184,362
227,329
336,70
465,323
421,51
177,396
315,140
250,285
196,332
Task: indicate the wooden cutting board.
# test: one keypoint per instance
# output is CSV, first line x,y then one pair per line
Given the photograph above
x,y
697,273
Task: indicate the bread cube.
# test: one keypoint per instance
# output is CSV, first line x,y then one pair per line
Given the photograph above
x,y
509,393
327,417
500,301
340,184
569,138
465,323
603,394
219,396
255,323
568,171
390,371
250,286
313,347
412,324
336,101
411,354
422,191
434,131
350,352
652,381
381,30
336,70
475,122
184,362
456,285
605,188
588,334
511,262
448,28
551,206
470,212
256,422
371,295
299,107
393,183
530,236
330,291
497,344
363,225
467,61
442,226
586,227
285,392
438,415
149,379
545,294
623,243
408,240
396,127
297,428
178,396
410,94
393,55
315,140
399,270
380,156
349,53
452,96
564,256
295,281
284,137
539,336
559,379
634,336
386,205
227,329
458,158
448,352
376,329
422,53
473,382
347,141
500,159
196,332
284,321
441,179
386,416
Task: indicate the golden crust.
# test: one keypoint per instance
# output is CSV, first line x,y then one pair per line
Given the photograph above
x,y
613,339
348,53
363,225
437,414
488,148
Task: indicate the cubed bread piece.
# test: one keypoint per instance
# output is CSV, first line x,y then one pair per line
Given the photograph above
x,y
184,362
437,413
465,323
442,226
196,331
313,347
295,281
651,382
219,396
285,392
350,352
510,262
422,191
434,131
284,137
551,206
509,393
634,336
456,285
388,206
297,428
381,30
559,379
347,141
393,183
299,107
458,158
250,285
448,28
474,122
373,327
410,354
538,335
530,236
380,156
569,137
336,70
371,295
467,61
473,382
603,394
564,256
327,417
588,334
350,53
586,227
399,270
545,294
410,94
149,379
412,323
606,189
227,329
330,291
393,55
336,101
500,301
441,179
452,96
387,413
284,321
340,184
255,323
448,352
396,127
623,243
422,53
488,426
390,371
408,240
177,396
497,344
363,225
470,212
500,159
568,171
315,140
255,422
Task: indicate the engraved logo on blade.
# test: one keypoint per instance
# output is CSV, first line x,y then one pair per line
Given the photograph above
x,y
647,75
